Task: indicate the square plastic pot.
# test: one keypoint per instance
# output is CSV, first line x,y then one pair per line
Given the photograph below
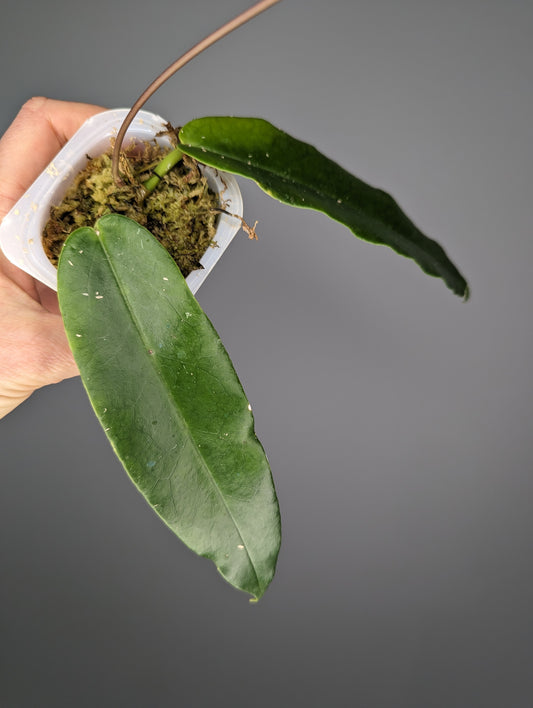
x,y
21,229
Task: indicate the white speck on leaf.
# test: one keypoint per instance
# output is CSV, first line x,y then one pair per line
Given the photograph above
x,y
70,263
188,314
249,407
86,294
78,335
240,547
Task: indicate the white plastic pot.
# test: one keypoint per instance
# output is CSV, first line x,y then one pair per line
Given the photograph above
x,y
21,229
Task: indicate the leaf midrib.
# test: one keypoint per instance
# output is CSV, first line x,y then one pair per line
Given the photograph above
x,y
175,408
406,246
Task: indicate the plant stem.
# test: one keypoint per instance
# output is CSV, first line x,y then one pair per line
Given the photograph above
x,y
184,59
161,169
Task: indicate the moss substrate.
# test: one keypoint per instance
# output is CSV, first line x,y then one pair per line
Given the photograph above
x,y
181,212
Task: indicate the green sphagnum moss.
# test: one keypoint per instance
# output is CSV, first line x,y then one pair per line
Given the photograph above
x,y
181,212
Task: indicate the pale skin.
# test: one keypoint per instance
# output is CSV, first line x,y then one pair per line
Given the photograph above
x,y
33,346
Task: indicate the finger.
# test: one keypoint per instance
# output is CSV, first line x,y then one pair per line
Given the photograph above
x,y
34,346
58,361
39,131
12,273
37,367
47,297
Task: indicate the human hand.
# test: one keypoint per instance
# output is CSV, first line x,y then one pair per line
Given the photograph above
x,y
33,346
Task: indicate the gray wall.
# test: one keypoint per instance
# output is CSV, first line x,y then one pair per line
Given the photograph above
x,y
397,419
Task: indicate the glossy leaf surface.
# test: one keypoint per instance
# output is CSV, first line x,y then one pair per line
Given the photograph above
x,y
166,393
295,172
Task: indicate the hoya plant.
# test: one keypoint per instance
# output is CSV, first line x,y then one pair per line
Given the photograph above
x,y
156,371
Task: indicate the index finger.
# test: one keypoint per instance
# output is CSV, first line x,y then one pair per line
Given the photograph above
x,y
38,132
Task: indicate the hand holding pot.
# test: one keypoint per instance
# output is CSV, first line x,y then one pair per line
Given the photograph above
x,y
33,346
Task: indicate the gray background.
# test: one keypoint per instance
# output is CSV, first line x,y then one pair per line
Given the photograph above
x,y
397,419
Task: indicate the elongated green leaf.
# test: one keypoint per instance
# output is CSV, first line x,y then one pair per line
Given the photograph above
x,y
297,174
166,393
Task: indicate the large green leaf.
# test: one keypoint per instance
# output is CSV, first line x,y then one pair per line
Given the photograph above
x,y
168,398
297,174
